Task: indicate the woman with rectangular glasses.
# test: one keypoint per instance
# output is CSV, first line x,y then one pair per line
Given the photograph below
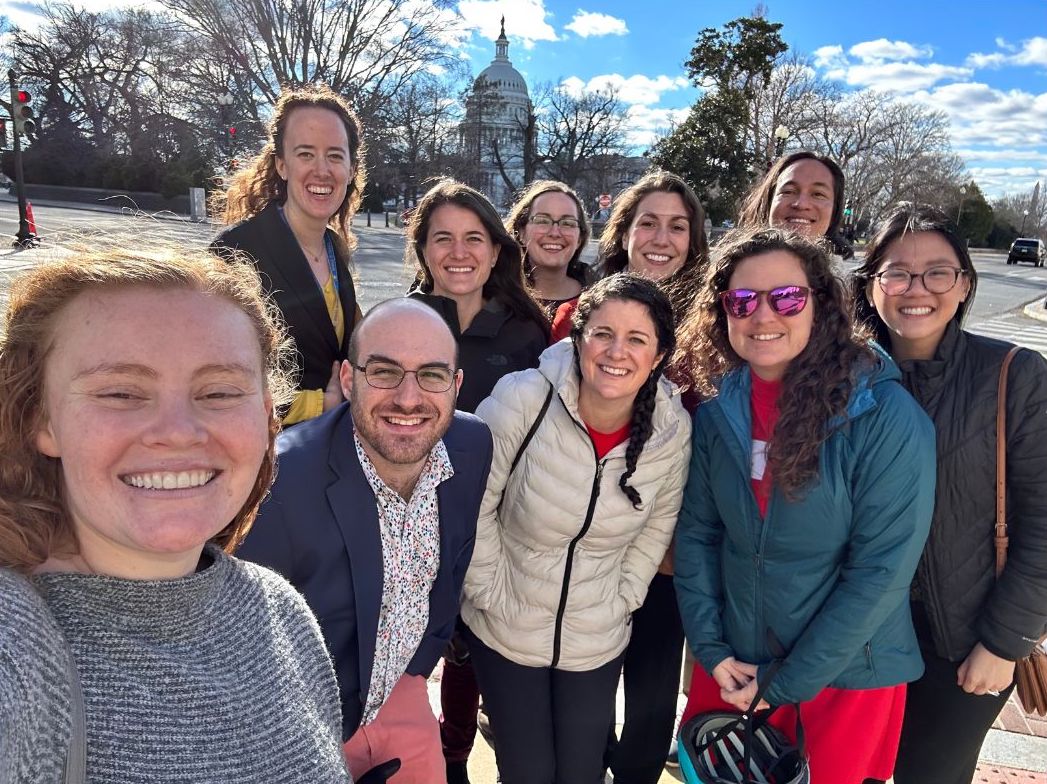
x,y
806,509
914,289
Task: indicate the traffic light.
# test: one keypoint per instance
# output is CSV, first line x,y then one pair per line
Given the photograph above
x,y
22,112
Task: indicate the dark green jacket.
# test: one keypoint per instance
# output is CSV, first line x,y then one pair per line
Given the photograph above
x,y
829,574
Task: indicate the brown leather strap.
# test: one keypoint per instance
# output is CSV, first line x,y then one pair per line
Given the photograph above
x,y
1001,464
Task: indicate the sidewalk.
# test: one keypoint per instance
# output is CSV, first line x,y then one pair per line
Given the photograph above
x,y
1015,751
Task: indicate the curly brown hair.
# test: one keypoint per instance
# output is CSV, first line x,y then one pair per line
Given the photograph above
x,y
252,188
34,522
817,384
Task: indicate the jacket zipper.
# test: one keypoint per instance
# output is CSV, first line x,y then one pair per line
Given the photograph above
x,y
593,495
562,608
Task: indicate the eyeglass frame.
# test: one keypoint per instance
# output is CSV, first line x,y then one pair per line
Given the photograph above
x,y
558,222
404,372
957,272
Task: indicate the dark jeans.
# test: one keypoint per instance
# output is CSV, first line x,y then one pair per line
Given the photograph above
x,y
944,726
652,683
551,724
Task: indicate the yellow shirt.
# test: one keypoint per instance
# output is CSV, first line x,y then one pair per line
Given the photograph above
x,y
309,403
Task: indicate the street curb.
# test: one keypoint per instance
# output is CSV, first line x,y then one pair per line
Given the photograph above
x,y
1036,309
1025,752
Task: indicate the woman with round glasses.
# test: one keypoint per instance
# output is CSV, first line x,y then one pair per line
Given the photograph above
x,y
550,224
589,465
806,509
469,269
914,289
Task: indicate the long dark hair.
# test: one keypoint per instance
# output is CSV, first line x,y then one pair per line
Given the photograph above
x,y
756,206
907,218
256,185
817,384
520,213
506,283
627,287
613,257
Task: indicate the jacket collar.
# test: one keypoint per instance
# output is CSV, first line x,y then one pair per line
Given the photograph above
x,y
558,365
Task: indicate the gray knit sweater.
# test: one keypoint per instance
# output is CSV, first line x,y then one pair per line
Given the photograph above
x,y
221,676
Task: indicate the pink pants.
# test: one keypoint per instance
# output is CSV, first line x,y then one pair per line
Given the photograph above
x,y
405,727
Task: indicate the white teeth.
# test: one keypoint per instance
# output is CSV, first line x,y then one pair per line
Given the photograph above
x,y
169,480
613,370
766,337
924,311
404,421
656,257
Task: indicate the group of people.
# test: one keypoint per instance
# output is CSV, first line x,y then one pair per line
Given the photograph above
x,y
545,473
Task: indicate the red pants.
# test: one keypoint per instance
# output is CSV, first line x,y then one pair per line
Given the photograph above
x,y
405,727
852,734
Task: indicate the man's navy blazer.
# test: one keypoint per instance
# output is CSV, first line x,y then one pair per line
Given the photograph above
x,y
319,529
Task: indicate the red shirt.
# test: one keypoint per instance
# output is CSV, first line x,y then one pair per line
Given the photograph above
x,y
605,442
764,406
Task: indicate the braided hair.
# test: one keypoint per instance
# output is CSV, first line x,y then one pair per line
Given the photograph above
x,y
627,287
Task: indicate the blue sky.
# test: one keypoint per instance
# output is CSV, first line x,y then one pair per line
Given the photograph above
x,y
982,62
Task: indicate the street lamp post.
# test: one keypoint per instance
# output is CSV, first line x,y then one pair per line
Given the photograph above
x,y
959,211
781,133
225,102
1025,214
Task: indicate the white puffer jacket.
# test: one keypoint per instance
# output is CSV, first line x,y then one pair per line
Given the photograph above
x,y
560,566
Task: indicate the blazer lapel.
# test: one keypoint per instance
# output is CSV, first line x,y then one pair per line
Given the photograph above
x,y
291,274
356,515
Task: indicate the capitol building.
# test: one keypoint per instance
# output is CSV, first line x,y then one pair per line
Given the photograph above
x,y
498,128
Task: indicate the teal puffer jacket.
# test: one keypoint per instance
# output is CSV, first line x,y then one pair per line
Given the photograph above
x,y
829,573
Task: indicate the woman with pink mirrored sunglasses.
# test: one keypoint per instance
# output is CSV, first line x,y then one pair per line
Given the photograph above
x,y
807,505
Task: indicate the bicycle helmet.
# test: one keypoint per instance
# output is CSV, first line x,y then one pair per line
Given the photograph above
x,y
720,747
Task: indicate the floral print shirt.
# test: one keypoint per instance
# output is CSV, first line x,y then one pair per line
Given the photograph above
x,y
410,534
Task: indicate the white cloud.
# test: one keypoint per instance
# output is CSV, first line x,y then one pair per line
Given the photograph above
x,y
524,19
637,89
882,50
898,77
1032,52
588,24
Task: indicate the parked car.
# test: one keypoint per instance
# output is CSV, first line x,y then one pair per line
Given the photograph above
x,y
1025,249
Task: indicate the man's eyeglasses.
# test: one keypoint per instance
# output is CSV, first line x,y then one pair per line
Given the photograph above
x,y
937,280
545,222
784,300
389,375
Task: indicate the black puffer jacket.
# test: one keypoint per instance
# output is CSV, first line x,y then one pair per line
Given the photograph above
x,y
955,579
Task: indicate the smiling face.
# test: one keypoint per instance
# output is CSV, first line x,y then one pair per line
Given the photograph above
x,y
917,319
767,341
618,350
458,251
658,239
398,427
155,404
803,198
316,164
551,247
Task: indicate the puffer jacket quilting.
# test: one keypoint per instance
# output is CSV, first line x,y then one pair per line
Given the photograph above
x,y
956,577
514,586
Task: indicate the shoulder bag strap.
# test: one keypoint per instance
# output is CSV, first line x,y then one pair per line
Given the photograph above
x,y
1000,538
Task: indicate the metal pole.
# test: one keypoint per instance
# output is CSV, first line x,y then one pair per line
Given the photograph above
x,y
23,238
